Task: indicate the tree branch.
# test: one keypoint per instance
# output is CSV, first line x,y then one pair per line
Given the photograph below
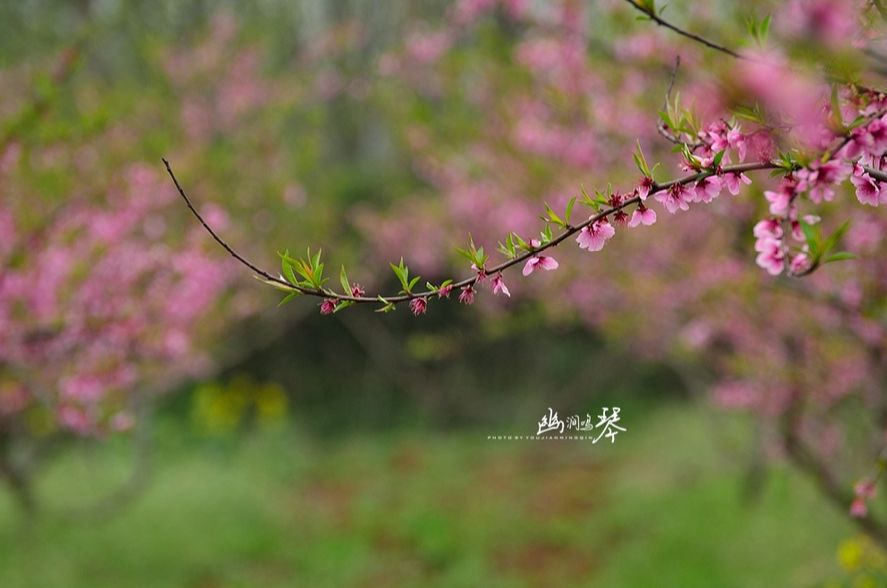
x,y
651,14
394,299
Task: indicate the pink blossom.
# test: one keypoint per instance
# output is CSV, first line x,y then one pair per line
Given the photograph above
x,y
466,296
593,237
877,130
357,291
542,262
708,188
675,198
858,508
426,47
861,142
820,178
444,291
418,306
781,198
76,419
499,285
643,189
771,256
327,306
833,22
799,263
721,137
768,228
736,140
642,216
865,489
732,181
868,190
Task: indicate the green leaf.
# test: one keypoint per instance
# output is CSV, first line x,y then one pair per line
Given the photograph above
x,y
546,234
343,279
342,305
278,285
388,306
839,256
401,271
287,298
812,238
835,237
837,119
473,254
286,267
569,211
520,242
752,113
764,29
640,159
553,217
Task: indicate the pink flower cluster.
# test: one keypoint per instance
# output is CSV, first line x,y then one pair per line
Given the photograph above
x,y
95,303
863,492
769,245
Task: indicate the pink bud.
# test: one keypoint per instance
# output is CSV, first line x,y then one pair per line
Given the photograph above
x,y
418,306
466,296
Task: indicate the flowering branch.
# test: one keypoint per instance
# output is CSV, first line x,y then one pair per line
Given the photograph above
x,y
533,250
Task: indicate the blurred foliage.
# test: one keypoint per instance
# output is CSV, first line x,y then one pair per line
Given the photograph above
x,y
282,508
279,467
863,562
221,408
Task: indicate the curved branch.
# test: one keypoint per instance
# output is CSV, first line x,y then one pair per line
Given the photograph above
x,y
394,299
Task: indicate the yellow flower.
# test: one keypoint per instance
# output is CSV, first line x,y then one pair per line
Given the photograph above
x,y
850,554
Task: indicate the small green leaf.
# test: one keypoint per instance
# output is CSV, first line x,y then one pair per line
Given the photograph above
x,y
520,242
569,211
835,237
343,279
546,234
287,269
812,238
278,285
343,304
553,217
287,298
839,256
387,306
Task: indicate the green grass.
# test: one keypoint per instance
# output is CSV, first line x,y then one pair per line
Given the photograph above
x,y
661,507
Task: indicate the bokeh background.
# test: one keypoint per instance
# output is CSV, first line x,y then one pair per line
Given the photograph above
x,y
164,423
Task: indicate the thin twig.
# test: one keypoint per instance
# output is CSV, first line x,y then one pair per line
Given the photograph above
x,y
684,33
